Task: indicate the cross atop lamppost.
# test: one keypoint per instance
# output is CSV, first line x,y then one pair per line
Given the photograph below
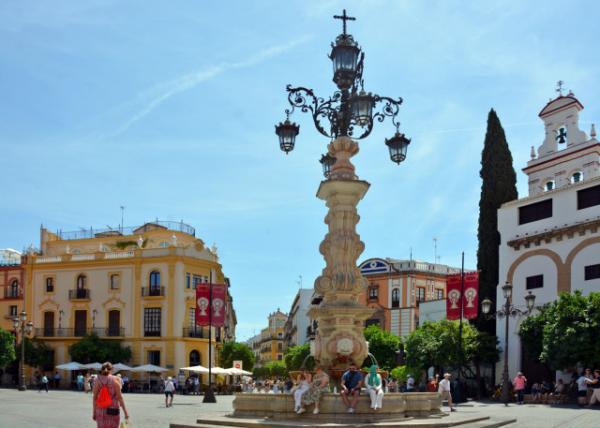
x,y
344,18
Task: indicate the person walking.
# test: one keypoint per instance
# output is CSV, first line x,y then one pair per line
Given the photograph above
x,y
582,386
169,391
374,387
351,383
87,383
107,399
519,383
43,383
444,390
56,379
80,381
319,385
595,384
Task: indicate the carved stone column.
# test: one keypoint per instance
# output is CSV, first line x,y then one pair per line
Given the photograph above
x,y
340,317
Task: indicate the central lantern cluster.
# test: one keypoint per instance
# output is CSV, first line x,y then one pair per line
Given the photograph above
x,y
350,111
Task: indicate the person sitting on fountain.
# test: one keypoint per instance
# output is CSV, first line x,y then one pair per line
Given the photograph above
x,y
302,385
374,387
319,385
351,382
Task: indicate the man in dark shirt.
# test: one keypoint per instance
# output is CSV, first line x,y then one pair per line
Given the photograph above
x,y
351,382
595,385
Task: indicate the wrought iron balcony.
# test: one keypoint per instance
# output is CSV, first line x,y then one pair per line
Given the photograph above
x,y
79,294
197,332
12,293
80,332
153,291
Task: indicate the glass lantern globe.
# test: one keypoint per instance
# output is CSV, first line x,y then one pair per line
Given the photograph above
x,y
344,56
362,107
398,146
327,161
530,299
486,305
507,290
287,131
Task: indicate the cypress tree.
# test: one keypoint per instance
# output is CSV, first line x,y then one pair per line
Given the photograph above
x,y
499,185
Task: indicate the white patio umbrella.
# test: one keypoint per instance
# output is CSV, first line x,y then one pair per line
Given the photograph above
x,y
149,368
92,366
195,369
71,366
119,367
218,370
237,372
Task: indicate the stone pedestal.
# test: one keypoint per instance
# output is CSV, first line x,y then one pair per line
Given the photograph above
x,y
395,406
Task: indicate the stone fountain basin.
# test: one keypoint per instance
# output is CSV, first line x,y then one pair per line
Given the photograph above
x,y
395,405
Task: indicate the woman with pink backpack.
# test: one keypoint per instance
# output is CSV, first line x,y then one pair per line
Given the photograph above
x,y
107,399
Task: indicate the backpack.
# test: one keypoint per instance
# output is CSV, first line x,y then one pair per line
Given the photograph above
x,y
104,399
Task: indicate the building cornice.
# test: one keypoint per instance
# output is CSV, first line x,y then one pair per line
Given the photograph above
x,y
558,234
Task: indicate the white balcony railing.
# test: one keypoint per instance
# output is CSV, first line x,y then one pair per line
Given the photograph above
x,y
48,259
119,255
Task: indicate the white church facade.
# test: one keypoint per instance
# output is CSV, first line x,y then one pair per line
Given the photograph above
x,y
550,240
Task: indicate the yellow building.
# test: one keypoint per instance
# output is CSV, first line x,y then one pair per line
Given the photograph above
x,y
272,338
135,285
11,291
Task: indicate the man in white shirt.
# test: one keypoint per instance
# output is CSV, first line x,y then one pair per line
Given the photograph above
x,y
410,384
582,386
444,390
169,390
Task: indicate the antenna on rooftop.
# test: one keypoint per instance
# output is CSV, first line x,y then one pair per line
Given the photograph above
x,y
299,282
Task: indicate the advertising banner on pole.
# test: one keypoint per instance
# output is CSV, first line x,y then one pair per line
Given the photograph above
x,y
453,296
203,309
471,295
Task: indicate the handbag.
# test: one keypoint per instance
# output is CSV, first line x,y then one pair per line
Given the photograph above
x,y
113,411
125,424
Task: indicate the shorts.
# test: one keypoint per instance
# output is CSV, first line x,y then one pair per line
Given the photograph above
x,y
446,395
167,393
582,393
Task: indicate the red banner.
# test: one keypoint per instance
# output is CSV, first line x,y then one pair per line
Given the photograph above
x,y
453,297
456,301
203,312
471,295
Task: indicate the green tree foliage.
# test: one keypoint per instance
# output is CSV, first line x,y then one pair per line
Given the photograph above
x,y
383,345
437,344
296,356
565,333
91,349
276,368
7,348
38,354
499,185
232,351
401,372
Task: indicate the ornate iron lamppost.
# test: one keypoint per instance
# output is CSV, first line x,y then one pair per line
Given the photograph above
x,y
22,328
345,117
508,310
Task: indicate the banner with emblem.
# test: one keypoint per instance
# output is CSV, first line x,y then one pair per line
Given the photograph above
x,y
453,296
471,295
203,312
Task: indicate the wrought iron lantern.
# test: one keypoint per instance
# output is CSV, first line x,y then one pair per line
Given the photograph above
x,y
362,107
530,299
398,145
345,57
287,131
486,305
327,161
507,290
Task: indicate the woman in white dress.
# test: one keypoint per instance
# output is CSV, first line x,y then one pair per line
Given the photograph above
x,y
374,387
302,385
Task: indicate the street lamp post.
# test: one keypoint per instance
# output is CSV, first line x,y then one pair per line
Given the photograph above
x,y
22,328
345,117
508,310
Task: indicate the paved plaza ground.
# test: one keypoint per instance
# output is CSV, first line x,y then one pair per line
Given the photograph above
x,y
68,409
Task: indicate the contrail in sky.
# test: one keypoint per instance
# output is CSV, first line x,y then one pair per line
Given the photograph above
x,y
190,80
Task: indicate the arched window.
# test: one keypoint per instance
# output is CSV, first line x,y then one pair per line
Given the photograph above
x,y
81,282
395,298
14,288
577,177
549,186
154,279
194,358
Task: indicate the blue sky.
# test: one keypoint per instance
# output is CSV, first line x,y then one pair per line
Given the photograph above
x,y
168,108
